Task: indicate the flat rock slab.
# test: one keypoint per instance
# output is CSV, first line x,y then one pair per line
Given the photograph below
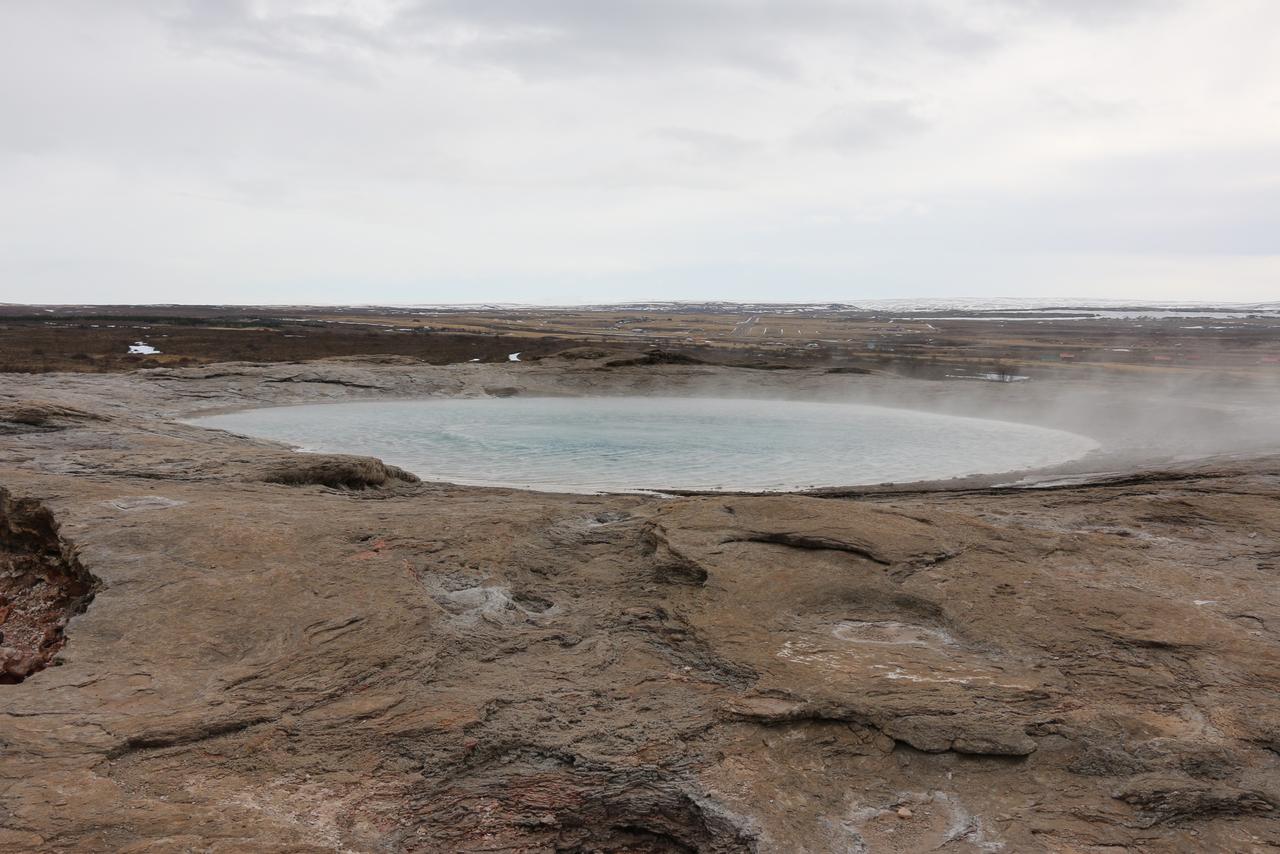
x,y
422,667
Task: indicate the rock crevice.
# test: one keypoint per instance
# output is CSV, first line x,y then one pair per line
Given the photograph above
x,y
42,586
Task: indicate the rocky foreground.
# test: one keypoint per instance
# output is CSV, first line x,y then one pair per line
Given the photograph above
x,y
213,644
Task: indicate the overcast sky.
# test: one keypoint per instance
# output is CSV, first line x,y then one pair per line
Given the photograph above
x,y
562,151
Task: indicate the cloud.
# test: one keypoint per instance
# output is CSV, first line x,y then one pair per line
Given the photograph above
x,y
1094,13
548,37
222,150
857,126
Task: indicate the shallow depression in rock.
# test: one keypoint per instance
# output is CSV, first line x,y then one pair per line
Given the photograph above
x,y
614,444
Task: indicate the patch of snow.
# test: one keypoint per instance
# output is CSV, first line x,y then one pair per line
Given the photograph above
x,y
513,357
142,348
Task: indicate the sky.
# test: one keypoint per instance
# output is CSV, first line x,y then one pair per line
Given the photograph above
x,y
575,151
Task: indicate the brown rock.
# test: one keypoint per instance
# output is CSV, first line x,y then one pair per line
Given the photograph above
x,y
369,665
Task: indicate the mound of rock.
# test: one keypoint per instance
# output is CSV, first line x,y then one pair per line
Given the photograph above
x,y
337,471
35,416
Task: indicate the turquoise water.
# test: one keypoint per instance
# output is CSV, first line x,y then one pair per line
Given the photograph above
x,y
636,443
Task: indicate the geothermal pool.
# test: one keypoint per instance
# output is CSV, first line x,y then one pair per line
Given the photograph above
x,y
590,444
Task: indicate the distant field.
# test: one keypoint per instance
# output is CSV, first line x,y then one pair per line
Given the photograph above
x,y
103,345
97,338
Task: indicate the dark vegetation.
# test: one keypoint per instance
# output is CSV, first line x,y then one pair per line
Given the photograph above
x,y
82,344
37,339
656,357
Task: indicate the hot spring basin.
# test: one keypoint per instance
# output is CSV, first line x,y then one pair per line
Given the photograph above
x,y
590,444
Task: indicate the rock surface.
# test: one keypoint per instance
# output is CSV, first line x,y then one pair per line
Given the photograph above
x,y
424,667
337,471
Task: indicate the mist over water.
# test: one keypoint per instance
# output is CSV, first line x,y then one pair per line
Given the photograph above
x,y
640,443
